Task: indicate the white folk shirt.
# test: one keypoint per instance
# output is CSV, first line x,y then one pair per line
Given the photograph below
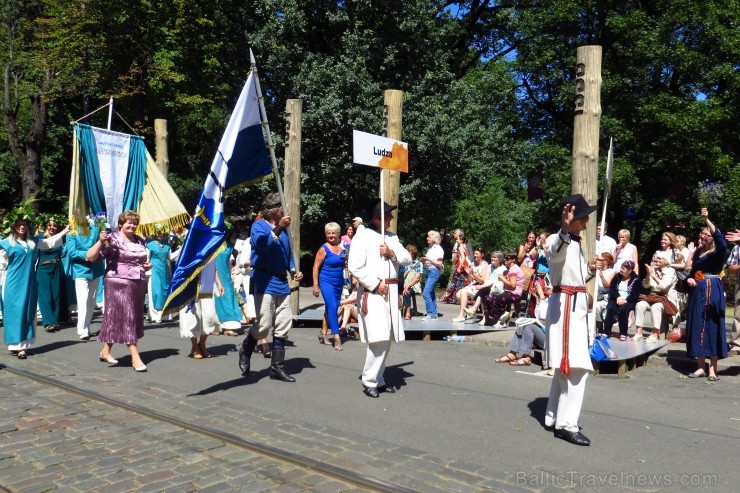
x,y
365,263
567,268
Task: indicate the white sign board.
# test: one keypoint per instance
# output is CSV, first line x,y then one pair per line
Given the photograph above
x,y
381,152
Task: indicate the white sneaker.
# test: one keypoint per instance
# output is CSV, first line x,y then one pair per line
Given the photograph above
x,y
636,338
652,339
458,319
428,318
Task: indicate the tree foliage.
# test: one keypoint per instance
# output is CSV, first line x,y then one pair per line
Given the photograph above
x,y
487,85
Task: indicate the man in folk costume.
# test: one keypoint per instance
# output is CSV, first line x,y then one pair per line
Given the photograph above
x,y
567,337
374,261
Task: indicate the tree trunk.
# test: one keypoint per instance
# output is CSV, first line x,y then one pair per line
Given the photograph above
x,y
27,154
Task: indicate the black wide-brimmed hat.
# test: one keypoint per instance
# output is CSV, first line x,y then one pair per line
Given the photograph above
x,y
582,207
376,211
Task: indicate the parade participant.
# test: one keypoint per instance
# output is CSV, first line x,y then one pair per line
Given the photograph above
x,y
198,319
705,312
125,287
271,261
733,268
19,290
374,261
160,256
86,277
51,281
567,318
328,280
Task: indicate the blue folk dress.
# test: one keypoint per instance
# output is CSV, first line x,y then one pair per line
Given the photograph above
x,y
161,274
19,310
52,285
705,312
227,306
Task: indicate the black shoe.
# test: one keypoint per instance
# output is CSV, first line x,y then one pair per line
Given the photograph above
x,y
371,391
550,428
385,388
575,437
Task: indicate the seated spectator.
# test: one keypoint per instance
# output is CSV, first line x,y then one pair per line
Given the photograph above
x,y
495,305
477,275
491,285
603,282
623,293
411,280
528,336
348,310
661,281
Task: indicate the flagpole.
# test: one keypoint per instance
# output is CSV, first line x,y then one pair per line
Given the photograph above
x,y
607,190
273,159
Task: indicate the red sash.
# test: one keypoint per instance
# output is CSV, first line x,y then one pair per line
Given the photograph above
x,y
569,292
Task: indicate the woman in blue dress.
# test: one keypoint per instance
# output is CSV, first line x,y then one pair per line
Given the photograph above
x,y
51,281
328,279
705,313
160,256
19,310
227,305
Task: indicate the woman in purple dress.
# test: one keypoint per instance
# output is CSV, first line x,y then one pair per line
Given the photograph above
x,y
124,287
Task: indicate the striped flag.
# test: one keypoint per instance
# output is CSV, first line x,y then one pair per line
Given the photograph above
x,y
241,159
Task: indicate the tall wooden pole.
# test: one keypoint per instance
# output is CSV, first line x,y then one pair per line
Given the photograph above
x,y
586,135
162,156
292,182
392,118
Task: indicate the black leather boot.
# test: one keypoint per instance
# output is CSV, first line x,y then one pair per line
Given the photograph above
x,y
277,370
245,353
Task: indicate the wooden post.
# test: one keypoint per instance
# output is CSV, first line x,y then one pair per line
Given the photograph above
x,y
162,154
586,135
292,183
392,117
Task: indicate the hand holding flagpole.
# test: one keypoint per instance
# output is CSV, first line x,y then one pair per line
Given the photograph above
x,y
273,159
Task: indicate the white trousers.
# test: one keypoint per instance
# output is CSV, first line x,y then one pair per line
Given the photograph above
x,y
85,290
566,399
375,357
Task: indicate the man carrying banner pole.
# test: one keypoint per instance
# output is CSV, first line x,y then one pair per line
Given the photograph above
x,y
272,262
374,258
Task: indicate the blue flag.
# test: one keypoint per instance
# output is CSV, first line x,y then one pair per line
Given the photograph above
x,y
242,158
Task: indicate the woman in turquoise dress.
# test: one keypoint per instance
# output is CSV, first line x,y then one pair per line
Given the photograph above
x,y
160,256
51,281
328,279
19,310
227,305
705,312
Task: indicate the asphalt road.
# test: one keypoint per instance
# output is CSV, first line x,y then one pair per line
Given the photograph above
x,y
653,431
